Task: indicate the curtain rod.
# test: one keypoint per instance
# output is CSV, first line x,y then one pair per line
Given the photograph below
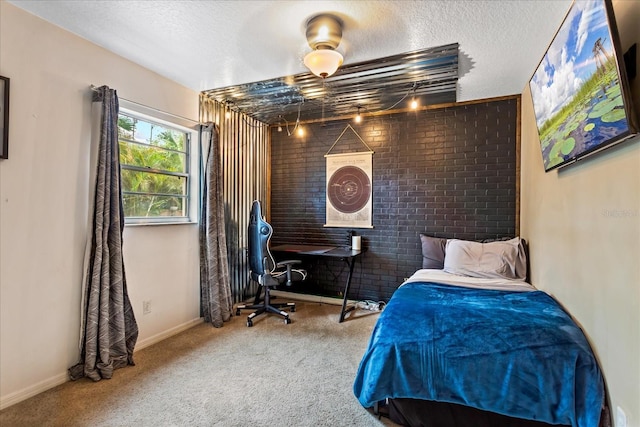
x,y
95,88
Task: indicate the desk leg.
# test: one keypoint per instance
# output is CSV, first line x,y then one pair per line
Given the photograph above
x,y
350,263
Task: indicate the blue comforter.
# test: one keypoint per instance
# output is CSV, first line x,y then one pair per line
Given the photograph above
x,y
515,353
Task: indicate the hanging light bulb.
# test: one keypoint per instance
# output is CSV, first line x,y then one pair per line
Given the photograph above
x,y
414,101
300,132
358,118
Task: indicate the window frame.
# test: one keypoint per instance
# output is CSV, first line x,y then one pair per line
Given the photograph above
x,y
191,173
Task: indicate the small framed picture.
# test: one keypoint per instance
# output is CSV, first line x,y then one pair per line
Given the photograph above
x,y
4,117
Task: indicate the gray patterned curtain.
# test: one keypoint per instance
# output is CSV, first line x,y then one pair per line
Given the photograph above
x,y
108,328
216,301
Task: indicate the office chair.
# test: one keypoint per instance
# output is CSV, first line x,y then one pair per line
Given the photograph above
x,y
265,271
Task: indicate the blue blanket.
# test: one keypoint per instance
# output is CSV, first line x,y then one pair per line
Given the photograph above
x,y
515,353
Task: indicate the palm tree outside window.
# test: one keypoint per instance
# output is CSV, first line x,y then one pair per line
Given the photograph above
x,y
154,161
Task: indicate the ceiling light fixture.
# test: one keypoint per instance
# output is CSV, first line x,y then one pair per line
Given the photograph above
x,y
324,33
358,118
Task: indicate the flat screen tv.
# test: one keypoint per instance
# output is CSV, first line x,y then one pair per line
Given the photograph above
x,y
580,91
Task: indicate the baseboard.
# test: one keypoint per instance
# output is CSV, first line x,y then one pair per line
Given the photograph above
x,y
310,298
166,334
26,393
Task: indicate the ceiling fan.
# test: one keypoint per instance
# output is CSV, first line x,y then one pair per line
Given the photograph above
x,y
324,33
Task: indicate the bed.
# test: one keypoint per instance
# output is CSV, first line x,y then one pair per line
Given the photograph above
x,y
473,343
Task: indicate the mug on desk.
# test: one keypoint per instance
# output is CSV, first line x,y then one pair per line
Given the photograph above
x,y
356,242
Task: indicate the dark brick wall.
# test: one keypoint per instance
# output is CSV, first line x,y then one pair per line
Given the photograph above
x,y
448,172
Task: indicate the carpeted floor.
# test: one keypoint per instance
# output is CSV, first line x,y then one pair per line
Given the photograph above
x,y
299,374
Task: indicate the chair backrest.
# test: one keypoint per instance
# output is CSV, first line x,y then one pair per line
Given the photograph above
x,y
260,259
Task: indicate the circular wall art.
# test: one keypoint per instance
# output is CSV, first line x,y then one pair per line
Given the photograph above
x,y
349,189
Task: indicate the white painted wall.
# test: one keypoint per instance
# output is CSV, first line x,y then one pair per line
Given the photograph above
x,y
43,205
583,227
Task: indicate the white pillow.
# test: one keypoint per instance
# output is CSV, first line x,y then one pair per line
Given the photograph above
x,y
501,259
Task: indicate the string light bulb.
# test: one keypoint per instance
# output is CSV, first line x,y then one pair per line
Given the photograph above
x,y
358,118
300,132
414,100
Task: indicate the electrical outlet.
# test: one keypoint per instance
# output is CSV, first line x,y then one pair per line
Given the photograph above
x,y
146,307
621,417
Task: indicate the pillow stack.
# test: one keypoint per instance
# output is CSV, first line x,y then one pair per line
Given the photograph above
x,y
505,259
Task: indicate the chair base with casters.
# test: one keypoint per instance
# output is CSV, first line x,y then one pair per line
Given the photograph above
x,y
265,271
267,306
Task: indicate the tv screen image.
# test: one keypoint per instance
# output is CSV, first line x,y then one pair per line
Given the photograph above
x,y
579,90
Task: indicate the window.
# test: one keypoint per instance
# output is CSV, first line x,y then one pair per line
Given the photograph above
x,y
155,162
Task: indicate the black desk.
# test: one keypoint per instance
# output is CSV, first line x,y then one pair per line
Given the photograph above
x,y
345,253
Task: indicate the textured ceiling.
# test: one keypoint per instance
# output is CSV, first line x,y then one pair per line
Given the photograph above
x,y
208,45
